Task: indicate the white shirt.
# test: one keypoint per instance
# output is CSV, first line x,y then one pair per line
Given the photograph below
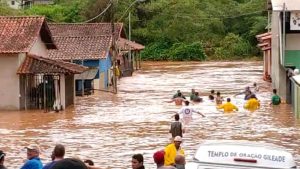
x,y
187,111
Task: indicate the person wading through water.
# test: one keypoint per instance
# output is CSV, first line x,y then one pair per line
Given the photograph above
x,y
176,127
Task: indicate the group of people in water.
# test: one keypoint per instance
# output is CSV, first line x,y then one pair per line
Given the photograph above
x,y
179,126
252,103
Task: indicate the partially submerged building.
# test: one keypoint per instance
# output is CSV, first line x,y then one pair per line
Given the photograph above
x,y
88,45
285,47
28,78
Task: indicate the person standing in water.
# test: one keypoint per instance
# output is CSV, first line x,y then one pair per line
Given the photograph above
x,y
178,100
228,106
252,104
276,100
219,99
177,95
247,93
176,128
212,95
187,113
255,88
192,95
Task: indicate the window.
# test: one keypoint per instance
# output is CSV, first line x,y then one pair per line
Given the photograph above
x,y
12,2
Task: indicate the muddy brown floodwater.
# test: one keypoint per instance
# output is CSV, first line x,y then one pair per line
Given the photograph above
x,y
110,128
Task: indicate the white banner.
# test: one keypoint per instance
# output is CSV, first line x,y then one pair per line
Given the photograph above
x,y
295,21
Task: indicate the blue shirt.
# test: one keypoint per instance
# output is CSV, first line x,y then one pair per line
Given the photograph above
x,y
34,163
49,165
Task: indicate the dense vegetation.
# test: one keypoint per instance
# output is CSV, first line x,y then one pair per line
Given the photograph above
x,y
173,29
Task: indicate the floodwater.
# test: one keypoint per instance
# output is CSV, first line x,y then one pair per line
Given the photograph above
x,y
109,128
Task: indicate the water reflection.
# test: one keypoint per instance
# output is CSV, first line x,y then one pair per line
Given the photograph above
x,y
110,128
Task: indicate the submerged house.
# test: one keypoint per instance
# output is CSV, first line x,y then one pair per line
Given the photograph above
x,y
285,30
265,40
130,56
28,78
87,44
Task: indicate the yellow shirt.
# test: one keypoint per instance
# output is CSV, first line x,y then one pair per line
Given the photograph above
x,y
252,104
228,107
170,154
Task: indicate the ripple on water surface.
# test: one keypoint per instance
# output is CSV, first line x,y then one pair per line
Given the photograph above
x,y
110,128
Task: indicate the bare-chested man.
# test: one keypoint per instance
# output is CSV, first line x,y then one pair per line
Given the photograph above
x,y
178,100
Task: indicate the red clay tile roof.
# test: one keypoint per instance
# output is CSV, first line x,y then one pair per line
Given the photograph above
x,y
124,44
36,64
94,47
263,34
18,34
86,29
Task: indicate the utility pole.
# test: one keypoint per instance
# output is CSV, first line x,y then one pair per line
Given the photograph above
x,y
129,34
113,46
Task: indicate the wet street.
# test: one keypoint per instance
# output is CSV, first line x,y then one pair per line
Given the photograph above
x,y
109,129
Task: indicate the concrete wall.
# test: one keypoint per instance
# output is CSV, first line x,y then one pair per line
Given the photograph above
x,y
10,95
69,90
39,48
278,71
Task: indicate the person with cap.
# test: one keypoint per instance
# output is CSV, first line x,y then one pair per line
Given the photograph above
x,y
137,161
58,154
33,162
159,159
2,155
180,162
70,163
172,150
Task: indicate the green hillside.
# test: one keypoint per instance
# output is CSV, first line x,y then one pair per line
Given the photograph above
x,y
173,29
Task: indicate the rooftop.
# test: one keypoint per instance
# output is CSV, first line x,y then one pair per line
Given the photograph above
x,y
76,48
39,65
18,34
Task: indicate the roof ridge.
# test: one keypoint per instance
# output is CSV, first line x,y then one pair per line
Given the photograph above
x,y
32,16
55,62
98,23
92,36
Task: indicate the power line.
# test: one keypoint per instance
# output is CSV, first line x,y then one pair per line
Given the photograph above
x,y
127,9
109,5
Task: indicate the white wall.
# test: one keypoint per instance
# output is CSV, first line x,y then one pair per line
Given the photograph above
x,y
278,71
9,81
63,91
39,48
17,4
